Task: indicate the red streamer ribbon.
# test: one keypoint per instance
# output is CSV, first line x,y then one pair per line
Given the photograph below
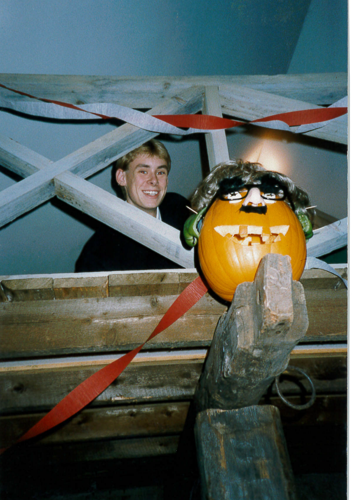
x,y
291,118
209,122
94,385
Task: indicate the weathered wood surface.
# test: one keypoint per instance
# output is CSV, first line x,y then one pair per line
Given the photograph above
x,y
81,320
132,421
216,142
146,92
249,104
38,387
242,454
118,324
253,341
159,419
328,238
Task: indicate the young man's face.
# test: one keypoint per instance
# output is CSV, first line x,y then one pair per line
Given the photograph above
x,y
145,182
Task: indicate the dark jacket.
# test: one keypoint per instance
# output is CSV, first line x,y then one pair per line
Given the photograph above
x,y
110,250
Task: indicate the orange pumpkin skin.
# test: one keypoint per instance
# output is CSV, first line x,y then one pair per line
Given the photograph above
x,y
226,263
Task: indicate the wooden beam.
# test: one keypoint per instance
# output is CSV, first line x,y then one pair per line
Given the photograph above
x,y
130,421
216,141
147,92
24,386
38,187
123,217
134,306
19,159
328,238
100,204
242,454
248,104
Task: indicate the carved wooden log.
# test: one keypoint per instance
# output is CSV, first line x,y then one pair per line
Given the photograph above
x,y
253,340
243,455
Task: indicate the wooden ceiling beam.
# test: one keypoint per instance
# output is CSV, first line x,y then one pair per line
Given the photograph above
x,y
147,92
249,104
38,187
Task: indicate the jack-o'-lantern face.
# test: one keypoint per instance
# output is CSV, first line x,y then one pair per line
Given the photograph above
x,y
245,223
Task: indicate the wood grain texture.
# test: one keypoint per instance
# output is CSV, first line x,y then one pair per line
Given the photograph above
x,y
28,289
146,92
137,424
133,421
37,387
248,104
242,454
253,341
216,143
328,238
45,327
40,389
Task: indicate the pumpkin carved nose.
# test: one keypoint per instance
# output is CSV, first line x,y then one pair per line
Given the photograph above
x,y
254,198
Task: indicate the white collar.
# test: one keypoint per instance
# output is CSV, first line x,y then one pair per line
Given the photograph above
x,y
158,214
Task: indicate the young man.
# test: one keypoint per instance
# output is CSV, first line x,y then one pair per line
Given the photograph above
x,y
142,176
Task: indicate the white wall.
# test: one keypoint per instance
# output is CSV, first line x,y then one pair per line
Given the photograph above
x,y
114,37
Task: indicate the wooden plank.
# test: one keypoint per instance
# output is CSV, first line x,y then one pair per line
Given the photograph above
x,y
141,422
327,410
160,419
248,104
79,288
28,289
123,217
316,279
110,325
146,92
103,423
328,374
327,313
215,141
39,386
97,451
39,389
38,187
328,238
20,159
150,283
122,323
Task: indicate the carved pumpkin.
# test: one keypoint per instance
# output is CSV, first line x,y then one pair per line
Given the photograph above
x,y
232,243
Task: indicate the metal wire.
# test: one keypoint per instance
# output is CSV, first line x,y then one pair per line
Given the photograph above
x,y
291,405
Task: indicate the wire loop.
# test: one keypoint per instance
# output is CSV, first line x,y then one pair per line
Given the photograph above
x,y
291,405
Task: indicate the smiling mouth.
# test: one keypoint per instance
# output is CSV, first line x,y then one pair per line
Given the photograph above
x,y
253,235
151,193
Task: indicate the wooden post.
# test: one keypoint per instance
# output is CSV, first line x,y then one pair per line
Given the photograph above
x,y
241,448
243,455
215,141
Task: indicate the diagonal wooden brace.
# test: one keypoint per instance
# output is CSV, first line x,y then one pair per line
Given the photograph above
x,y
253,340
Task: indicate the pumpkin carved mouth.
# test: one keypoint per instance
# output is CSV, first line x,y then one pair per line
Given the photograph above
x,y
253,235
